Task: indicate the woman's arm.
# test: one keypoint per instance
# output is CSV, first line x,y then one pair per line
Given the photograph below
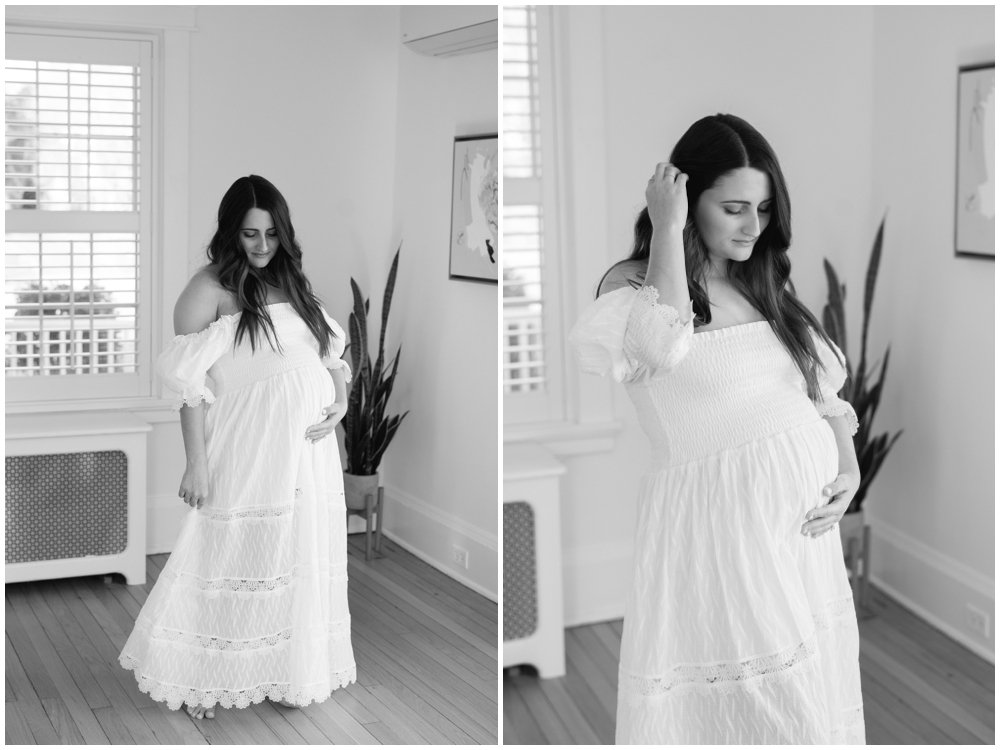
x,y
195,310
838,494
666,198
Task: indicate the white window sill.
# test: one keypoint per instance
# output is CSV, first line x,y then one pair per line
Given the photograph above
x,y
565,438
152,410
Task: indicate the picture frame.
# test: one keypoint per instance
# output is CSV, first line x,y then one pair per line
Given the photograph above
x,y
474,254
975,180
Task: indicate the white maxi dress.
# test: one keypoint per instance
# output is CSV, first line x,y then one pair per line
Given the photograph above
x,y
252,602
738,629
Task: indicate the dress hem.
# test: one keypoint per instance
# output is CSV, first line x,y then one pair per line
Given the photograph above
x,y
177,695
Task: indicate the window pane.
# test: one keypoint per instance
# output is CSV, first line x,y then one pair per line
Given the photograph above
x,y
523,334
71,303
520,91
72,136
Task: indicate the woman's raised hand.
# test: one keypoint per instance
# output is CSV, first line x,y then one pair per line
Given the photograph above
x,y
666,197
194,485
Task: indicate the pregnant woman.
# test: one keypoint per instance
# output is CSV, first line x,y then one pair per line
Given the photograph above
x,y
740,626
252,602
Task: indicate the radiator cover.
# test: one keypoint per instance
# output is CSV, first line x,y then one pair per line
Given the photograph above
x,y
66,505
520,587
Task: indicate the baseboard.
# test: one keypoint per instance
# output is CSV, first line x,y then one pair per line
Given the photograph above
x,y
431,533
595,583
933,585
450,572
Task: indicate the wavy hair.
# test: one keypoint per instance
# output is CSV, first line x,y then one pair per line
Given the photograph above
x,y
249,284
711,148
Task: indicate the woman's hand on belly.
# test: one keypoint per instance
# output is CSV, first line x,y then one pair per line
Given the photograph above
x,y
824,517
335,412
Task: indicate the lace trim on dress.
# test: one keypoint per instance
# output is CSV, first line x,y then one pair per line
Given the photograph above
x,y
254,511
742,675
336,574
336,630
648,295
175,695
836,407
193,399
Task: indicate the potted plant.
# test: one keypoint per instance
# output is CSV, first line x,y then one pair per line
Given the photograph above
x,y
863,393
368,429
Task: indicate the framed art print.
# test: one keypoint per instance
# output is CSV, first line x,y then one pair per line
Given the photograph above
x,y
975,202
475,244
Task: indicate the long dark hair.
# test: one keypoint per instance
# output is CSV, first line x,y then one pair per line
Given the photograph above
x,y
284,271
711,148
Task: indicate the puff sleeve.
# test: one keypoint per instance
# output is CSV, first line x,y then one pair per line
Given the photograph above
x,y
183,366
337,343
832,376
630,336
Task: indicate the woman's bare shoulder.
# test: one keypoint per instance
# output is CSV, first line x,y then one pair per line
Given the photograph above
x,y
625,273
200,302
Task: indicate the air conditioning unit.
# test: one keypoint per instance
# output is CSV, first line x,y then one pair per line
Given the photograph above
x,y
447,30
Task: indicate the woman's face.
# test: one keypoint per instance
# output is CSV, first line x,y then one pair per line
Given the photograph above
x,y
732,213
258,237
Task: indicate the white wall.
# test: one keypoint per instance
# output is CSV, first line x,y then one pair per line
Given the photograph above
x,y
808,89
441,472
932,507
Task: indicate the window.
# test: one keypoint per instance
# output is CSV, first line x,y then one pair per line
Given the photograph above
x,y
532,361
78,219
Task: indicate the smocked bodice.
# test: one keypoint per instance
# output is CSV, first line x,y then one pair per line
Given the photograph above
x,y
735,385
697,394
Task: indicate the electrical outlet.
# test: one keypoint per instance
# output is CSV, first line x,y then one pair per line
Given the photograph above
x,y
460,557
978,620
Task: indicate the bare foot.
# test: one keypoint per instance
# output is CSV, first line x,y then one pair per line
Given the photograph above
x,y
286,704
199,712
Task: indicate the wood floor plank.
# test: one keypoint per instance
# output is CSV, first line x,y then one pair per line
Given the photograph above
x,y
545,714
385,673
62,722
172,724
524,728
474,711
929,703
23,691
406,619
285,732
412,636
408,725
59,676
99,652
423,654
300,721
485,641
16,729
81,683
581,732
114,727
38,675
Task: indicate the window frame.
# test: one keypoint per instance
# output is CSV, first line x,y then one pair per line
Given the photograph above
x,y
546,404
99,49
168,31
576,200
